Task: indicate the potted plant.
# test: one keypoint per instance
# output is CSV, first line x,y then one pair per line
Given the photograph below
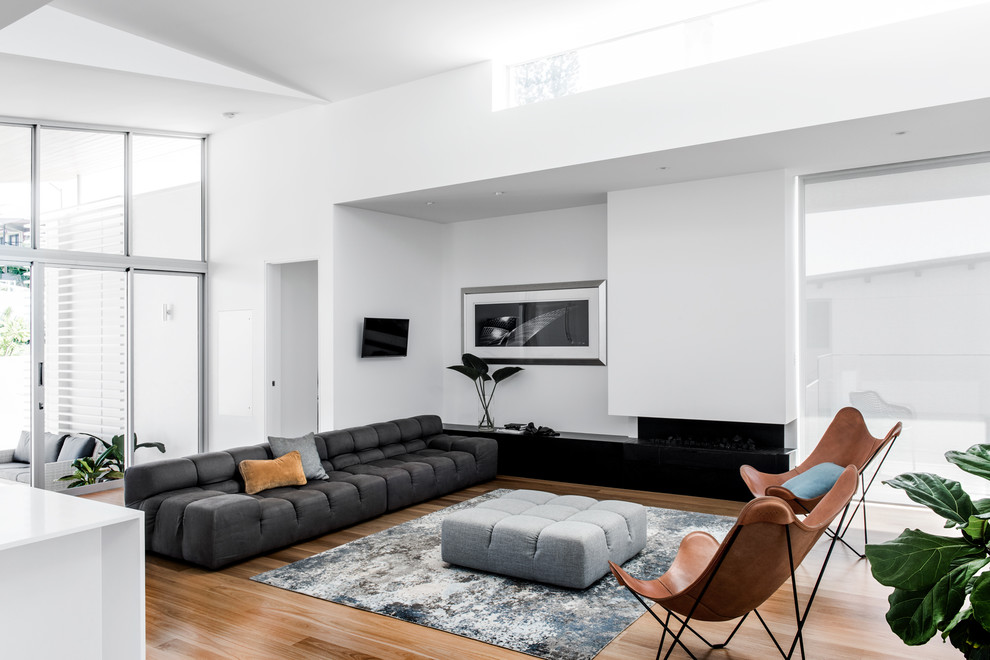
x,y
476,369
941,583
108,465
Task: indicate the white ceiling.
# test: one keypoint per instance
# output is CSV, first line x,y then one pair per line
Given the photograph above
x,y
337,49
178,65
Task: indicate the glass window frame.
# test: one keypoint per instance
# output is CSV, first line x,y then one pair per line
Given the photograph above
x,y
39,258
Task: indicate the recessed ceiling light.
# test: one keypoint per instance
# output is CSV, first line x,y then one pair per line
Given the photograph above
x,y
662,167
230,115
900,132
430,203
499,193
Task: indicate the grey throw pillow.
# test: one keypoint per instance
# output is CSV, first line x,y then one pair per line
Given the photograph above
x,y
53,443
76,446
22,452
306,446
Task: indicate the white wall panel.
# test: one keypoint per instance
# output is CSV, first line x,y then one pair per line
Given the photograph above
x,y
387,266
268,202
698,302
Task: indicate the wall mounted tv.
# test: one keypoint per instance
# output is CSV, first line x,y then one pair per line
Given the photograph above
x,y
384,337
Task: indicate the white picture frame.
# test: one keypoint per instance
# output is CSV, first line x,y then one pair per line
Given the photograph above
x,y
555,323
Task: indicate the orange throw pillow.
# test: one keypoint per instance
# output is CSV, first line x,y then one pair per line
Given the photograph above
x,y
285,470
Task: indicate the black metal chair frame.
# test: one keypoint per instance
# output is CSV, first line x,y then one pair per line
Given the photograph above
x,y
800,617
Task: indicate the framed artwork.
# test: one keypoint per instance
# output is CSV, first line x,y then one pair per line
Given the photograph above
x,y
559,323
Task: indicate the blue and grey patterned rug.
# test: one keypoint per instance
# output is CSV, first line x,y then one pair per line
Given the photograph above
x,y
399,573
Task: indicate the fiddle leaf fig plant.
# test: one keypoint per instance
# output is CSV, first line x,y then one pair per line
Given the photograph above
x,y
477,370
941,583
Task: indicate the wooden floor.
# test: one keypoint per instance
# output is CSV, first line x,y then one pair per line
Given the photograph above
x,y
192,613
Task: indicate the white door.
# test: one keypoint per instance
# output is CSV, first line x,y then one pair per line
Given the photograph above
x,y
292,337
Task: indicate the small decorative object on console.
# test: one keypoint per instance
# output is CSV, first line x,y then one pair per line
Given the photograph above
x,y
532,429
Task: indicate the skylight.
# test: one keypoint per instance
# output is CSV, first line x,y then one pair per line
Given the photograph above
x,y
736,28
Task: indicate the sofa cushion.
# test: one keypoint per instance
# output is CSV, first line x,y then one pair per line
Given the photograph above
x,y
306,446
388,433
428,425
337,443
282,471
406,481
22,452
365,437
146,480
76,446
11,471
214,467
483,451
53,443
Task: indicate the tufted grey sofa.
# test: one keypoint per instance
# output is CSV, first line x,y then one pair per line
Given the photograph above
x,y
196,509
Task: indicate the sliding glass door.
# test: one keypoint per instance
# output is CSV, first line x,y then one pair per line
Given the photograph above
x,y
15,371
897,302
85,368
87,378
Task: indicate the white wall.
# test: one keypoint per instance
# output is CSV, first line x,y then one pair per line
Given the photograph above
x,y
441,130
554,246
386,266
267,203
698,300
273,184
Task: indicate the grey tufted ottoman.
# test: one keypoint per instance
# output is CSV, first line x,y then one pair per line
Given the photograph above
x,y
564,540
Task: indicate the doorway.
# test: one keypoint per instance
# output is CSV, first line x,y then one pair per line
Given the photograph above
x,y
292,400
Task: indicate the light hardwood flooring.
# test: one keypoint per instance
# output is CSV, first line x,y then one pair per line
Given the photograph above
x,y
192,613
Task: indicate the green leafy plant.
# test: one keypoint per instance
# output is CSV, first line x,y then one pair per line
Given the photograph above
x,y
477,369
108,465
18,275
14,333
941,583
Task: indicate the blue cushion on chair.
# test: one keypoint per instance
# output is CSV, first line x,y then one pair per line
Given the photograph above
x,y
814,482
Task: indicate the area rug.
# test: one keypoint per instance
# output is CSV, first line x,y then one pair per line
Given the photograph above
x,y
398,573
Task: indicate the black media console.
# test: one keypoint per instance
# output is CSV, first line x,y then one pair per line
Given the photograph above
x,y
624,462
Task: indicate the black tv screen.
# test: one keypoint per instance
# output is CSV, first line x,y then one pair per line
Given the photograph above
x,y
384,337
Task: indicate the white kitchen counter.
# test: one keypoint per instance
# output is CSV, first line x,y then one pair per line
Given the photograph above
x,y
73,577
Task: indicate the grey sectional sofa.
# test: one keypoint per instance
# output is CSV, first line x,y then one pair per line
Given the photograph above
x,y
196,508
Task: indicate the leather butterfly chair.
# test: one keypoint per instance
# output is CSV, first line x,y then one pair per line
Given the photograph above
x,y
847,441
712,581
